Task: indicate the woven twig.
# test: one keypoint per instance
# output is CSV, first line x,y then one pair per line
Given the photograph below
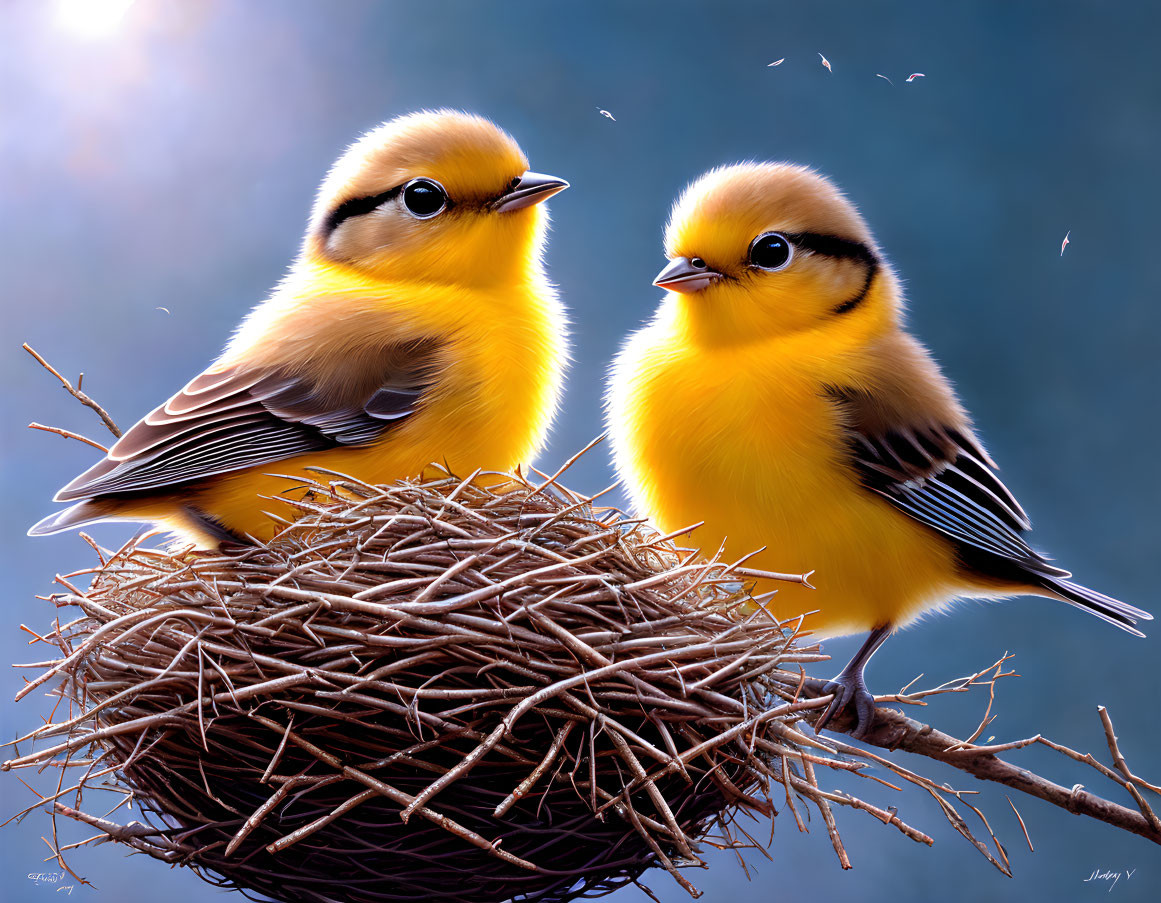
x,y
458,689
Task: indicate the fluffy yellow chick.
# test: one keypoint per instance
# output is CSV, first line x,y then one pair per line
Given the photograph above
x,y
776,396
416,326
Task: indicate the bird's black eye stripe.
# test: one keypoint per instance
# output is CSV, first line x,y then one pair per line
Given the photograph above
x,y
841,249
851,303
833,246
357,207
360,206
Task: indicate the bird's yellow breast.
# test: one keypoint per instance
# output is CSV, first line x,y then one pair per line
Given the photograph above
x,y
490,407
745,439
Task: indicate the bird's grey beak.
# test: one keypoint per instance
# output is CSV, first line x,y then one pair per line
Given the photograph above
x,y
532,188
685,275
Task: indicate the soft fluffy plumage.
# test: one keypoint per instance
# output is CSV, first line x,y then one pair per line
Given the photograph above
x,y
394,341
787,408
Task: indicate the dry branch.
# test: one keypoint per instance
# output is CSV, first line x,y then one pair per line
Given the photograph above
x,y
75,392
893,730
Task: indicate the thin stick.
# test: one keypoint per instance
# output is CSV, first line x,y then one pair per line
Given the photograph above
x,y
75,392
538,772
1023,827
68,434
1123,766
894,730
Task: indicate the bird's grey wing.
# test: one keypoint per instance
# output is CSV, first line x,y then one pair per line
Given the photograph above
x,y
942,477
233,419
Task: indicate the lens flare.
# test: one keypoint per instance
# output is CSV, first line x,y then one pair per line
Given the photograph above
x,y
91,18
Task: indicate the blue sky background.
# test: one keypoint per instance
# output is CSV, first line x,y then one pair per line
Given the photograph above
x,y
171,163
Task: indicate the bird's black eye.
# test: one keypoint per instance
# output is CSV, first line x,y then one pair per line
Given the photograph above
x,y
771,251
424,198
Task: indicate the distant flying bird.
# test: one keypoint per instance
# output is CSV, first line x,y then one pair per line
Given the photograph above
x,y
776,63
416,326
166,309
825,62
606,114
1064,244
776,398
891,83
915,75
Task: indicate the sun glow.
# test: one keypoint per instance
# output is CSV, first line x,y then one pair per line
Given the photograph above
x,y
91,18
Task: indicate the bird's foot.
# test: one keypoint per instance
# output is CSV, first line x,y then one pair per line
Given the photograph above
x,y
847,689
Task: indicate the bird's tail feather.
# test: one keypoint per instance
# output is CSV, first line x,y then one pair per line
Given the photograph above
x,y
79,515
1118,613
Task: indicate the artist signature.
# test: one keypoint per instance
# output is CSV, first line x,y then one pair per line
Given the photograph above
x,y
50,878
1110,875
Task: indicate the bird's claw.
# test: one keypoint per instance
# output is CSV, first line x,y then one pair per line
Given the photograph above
x,y
847,689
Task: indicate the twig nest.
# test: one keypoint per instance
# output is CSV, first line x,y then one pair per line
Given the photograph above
x,y
445,690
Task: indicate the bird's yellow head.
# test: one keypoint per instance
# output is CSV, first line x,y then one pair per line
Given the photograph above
x,y
433,197
764,249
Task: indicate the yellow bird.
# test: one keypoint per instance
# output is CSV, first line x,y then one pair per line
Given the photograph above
x,y
417,325
776,396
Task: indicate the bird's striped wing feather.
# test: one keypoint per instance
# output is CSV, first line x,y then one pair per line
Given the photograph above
x,y
232,419
943,478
